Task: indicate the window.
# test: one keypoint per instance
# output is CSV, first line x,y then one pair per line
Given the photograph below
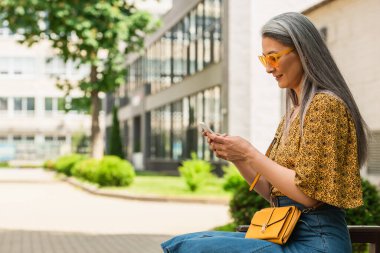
x,y
178,64
18,66
17,138
29,138
200,39
160,133
212,113
55,66
49,138
24,105
24,66
30,104
374,153
61,104
48,104
18,104
61,138
177,142
193,43
156,58
173,129
3,104
166,60
5,65
192,52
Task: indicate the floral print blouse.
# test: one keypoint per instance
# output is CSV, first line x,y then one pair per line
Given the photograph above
x,y
325,158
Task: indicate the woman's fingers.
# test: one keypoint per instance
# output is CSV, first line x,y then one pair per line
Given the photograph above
x,y
217,147
216,143
217,138
221,155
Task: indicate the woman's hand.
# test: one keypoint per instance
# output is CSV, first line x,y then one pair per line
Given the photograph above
x,y
230,148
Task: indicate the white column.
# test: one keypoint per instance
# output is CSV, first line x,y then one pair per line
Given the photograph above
x,y
239,66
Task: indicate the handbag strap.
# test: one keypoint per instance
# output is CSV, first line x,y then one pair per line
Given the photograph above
x,y
256,179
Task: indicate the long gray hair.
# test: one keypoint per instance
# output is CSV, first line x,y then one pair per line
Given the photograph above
x,y
321,73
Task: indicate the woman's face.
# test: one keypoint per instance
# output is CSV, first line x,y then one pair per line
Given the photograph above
x,y
289,71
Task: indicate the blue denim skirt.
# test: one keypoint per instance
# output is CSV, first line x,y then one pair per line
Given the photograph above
x,y
322,230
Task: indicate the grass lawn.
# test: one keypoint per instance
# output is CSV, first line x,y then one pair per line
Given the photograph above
x,y
148,183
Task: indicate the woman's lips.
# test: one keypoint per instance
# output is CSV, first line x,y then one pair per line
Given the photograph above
x,y
278,77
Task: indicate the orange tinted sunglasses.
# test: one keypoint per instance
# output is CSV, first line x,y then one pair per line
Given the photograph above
x,y
273,58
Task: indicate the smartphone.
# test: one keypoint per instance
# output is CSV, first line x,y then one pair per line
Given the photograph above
x,y
205,127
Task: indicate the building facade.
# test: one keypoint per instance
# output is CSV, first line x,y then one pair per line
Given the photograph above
x,y
34,126
200,66
352,35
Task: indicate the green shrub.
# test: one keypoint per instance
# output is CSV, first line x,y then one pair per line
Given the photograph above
x,y
49,164
113,171
86,169
232,178
367,214
4,165
245,203
195,172
64,164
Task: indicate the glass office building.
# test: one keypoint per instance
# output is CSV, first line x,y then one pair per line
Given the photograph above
x,y
164,132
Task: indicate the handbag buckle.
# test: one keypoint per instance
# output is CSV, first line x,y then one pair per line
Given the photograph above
x,y
263,228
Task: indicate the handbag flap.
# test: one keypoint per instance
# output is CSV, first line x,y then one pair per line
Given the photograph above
x,y
268,223
265,216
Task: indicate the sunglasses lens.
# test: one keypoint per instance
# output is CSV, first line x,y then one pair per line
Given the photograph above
x,y
263,60
272,60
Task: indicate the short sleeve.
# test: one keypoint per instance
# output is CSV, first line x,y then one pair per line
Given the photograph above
x,y
327,165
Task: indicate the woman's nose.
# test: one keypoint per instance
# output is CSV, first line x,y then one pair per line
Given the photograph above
x,y
269,69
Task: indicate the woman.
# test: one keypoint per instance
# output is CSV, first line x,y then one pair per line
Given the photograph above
x,y
319,146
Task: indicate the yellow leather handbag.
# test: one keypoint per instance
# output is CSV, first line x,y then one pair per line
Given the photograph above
x,y
274,224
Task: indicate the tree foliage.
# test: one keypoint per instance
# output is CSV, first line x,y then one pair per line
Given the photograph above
x,y
94,33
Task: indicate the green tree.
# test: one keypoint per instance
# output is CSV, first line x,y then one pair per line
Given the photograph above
x,y
93,33
116,147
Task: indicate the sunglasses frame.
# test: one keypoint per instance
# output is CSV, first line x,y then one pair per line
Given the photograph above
x,y
273,58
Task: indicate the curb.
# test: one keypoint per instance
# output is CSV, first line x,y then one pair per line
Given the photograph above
x,y
125,195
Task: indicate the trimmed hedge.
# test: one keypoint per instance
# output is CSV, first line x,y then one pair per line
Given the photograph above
x,y
49,164
86,169
109,171
113,171
64,164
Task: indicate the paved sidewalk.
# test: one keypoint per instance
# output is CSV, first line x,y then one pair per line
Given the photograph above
x,y
19,241
41,214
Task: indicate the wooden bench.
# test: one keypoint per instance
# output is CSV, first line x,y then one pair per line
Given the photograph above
x,y
358,234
